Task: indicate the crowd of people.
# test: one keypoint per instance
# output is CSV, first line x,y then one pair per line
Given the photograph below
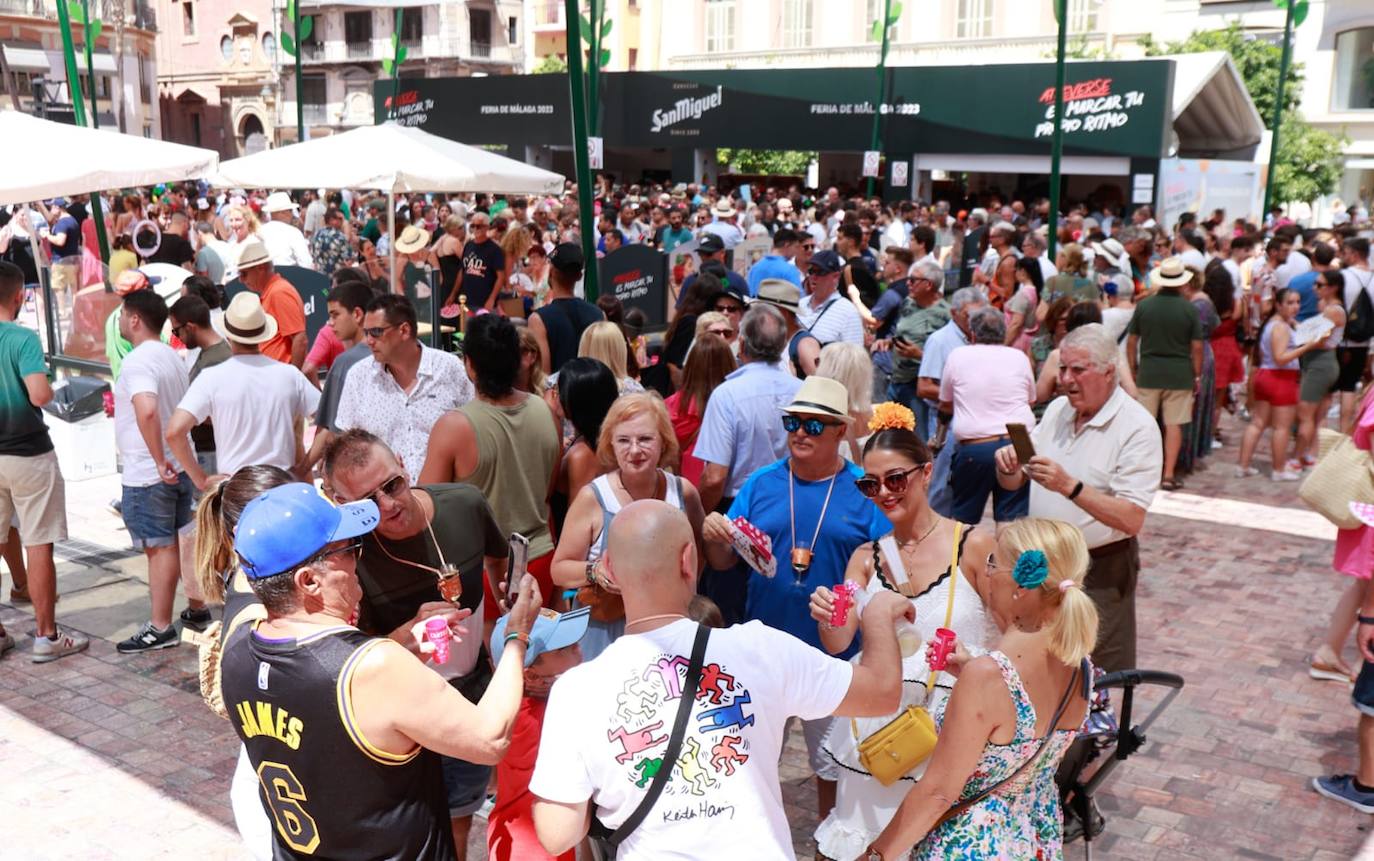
x,y
766,514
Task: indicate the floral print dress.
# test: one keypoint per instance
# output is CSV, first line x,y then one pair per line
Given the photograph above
x,y
1021,820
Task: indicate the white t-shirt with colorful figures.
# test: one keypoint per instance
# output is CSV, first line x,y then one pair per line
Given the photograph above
x,y
608,723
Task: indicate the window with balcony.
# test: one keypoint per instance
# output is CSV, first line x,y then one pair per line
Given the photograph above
x,y
358,33
412,26
313,47
512,30
1083,15
796,23
188,19
720,26
479,23
145,78
1353,88
972,19
314,101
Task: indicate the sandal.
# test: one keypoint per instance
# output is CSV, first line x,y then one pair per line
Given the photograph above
x,y
1323,671
1170,484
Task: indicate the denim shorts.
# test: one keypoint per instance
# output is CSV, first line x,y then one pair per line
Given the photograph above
x,y
156,513
1363,695
466,784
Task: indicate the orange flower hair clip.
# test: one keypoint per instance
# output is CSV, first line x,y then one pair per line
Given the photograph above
x,y
891,416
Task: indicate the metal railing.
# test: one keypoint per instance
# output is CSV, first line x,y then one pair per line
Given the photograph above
x,y
480,48
315,114
549,13
312,51
1004,48
145,16
360,50
26,7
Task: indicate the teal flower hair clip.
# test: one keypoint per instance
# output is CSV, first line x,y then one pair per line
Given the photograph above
x,y
1031,569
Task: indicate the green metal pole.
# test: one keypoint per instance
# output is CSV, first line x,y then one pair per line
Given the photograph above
x,y
396,65
296,34
1057,147
1278,109
96,211
64,23
584,173
882,88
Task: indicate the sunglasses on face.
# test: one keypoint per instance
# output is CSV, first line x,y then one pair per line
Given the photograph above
x,y
375,332
724,333
729,309
812,427
392,488
353,547
895,481
819,273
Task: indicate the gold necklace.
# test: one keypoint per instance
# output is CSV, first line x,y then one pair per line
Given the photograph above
x,y
917,543
449,576
644,619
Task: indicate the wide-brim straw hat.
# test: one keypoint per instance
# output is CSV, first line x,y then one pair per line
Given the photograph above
x,y
821,396
1171,272
244,321
413,238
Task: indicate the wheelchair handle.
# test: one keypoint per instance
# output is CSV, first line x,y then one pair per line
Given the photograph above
x,y
1131,678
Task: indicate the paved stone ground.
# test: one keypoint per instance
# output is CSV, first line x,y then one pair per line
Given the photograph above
x,y
108,756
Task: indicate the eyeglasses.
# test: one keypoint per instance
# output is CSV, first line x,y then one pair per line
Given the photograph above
x,y
895,481
724,333
353,547
392,488
176,330
819,273
812,427
375,332
728,308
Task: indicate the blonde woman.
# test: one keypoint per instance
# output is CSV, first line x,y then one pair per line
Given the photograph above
x,y
242,225
850,366
605,342
1003,708
636,445
532,376
515,245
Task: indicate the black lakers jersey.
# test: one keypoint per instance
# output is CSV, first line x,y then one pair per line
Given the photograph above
x,y
329,792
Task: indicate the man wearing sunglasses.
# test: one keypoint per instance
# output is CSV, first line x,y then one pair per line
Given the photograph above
x,y
829,315
423,533
815,516
320,705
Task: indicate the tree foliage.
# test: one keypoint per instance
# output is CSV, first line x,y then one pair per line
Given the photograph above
x,y
550,65
768,161
1309,160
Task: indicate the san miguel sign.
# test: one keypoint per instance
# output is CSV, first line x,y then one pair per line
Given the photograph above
x,y
686,109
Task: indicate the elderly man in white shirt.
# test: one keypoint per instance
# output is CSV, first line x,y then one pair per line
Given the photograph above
x,y
284,241
1114,449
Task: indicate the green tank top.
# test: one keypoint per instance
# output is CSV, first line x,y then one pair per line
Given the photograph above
x,y
522,441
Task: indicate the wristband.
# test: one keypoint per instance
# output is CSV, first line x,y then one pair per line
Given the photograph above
x,y
591,573
1077,489
518,635
1365,620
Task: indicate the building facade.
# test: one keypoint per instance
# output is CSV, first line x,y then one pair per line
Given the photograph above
x,y
343,56
635,41
125,58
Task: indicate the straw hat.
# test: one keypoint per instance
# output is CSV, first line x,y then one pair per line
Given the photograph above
x,y
821,396
245,322
1171,272
779,293
253,253
1113,251
724,208
413,238
279,201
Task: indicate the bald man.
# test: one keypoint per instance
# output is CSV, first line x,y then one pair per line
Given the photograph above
x,y
609,720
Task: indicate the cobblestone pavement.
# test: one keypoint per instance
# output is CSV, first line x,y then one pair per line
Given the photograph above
x,y
113,756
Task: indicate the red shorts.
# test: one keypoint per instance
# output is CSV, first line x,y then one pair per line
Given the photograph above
x,y
1230,362
1277,387
541,568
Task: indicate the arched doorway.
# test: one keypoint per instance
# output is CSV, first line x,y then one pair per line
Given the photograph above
x,y
252,135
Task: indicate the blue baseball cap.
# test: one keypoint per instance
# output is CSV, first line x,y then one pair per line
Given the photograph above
x,y
282,528
552,631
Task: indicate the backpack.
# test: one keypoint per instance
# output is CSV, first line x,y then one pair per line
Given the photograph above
x,y
1359,322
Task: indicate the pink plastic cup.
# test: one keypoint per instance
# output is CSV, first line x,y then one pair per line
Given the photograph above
x,y
941,648
844,599
437,633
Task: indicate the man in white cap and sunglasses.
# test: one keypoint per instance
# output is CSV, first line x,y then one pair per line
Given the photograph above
x,y
253,401
284,241
813,535
344,729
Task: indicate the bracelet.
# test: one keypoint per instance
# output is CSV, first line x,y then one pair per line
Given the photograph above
x,y
518,635
1365,620
1077,489
591,573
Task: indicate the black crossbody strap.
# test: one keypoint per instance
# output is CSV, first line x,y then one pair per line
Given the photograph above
x,y
684,713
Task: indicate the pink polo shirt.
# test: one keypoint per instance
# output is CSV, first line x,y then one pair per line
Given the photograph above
x,y
989,385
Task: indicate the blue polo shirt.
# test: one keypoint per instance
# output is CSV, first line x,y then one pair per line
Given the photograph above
x,y
773,266
850,520
1306,285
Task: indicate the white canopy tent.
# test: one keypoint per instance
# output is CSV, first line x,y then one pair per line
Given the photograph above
x,y
77,160
391,158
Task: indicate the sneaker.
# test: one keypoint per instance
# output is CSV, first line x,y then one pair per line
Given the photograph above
x,y
6,642
1246,471
67,643
116,506
1216,444
1293,465
1341,787
1286,475
196,620
149,639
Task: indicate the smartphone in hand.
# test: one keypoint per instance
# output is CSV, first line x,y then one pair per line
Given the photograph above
x,y
1021,441
517,562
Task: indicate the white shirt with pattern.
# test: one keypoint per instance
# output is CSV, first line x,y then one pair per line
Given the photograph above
x,y
374,401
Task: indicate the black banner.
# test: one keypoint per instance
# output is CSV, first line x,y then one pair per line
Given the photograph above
x,y
637,275
1116,108
313,288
